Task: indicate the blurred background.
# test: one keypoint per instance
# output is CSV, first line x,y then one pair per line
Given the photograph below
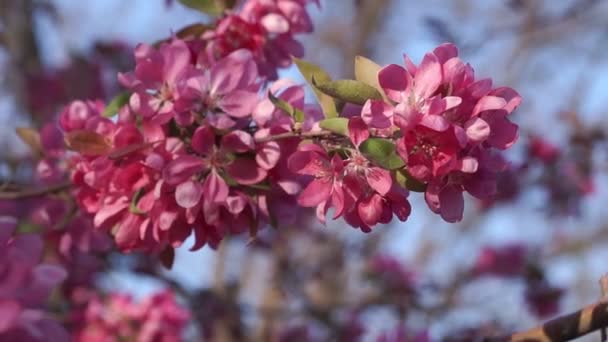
x,y
536,251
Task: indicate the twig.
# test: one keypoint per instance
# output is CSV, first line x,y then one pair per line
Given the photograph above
x,y
568,327
35,192
288,135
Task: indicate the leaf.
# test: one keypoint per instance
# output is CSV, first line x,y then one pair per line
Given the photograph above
x,y
295,113
210,7
136,197
311,71
366,71
335,125
167,257
87,142
117,102
194,30
350,91
31,138
381,152
403,178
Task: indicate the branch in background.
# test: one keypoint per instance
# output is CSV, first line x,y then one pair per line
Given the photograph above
x,y
565,328
35,192
20,41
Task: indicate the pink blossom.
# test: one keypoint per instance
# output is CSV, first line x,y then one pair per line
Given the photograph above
x,y
449,122
156,78
25,286
156,318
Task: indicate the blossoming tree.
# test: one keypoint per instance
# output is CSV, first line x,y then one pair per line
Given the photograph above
x,y
205,141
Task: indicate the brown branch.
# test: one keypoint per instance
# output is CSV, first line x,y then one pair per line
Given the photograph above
x,y
288,135
568,327
17,17
35,192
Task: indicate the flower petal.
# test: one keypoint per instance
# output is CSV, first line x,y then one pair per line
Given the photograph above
x,y
394,79
317,191
188,194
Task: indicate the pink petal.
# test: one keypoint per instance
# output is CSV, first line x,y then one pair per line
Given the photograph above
x,y
477,129
182,168
337,201
235,204
176,60
394,80
435,122
431,196
377,114
480,88
108,211
203,140
308,163
239,103
380,180
268,155
215,188
238,141
489,103
428,77
504,133
275,23
469,165
446,51
246,171
10,310
290,187
315,193
439,105
188,194
512,98
357,131
220,121
370,209
452,204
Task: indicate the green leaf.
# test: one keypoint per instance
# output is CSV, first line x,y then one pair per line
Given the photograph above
x,y
311,71
335,125
366,71
116,103
194,30
295,113
381,152
133,207
403,178
349,91
211,7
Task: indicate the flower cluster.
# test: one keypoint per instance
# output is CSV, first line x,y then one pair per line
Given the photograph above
x,y
264,27
358,190
118,318
198,148
25,286
185,154
450,125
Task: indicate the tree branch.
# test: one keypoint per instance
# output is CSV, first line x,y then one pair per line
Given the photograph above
x,y
568,327
288,135
35,192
